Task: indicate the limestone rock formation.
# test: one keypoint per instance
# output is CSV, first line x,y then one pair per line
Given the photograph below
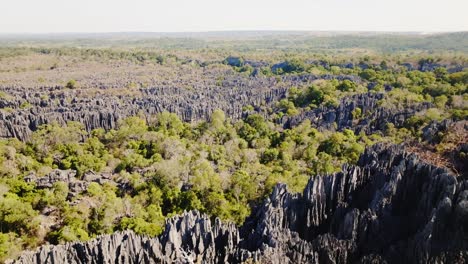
x,y
375,117
75,186
190,238
389,208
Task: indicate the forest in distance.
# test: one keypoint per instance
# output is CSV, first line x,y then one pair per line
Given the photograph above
x,y
127,133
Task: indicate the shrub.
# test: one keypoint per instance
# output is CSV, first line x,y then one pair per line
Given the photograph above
x,y
71,84
346,86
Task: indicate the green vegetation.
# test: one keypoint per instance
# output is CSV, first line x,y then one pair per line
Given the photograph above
x,y
71,84
219,167
160,166
154,161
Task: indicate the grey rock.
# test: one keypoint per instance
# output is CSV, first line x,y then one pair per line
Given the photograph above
x,y
75,185
189,238
430,133
235,61
106,109
56,175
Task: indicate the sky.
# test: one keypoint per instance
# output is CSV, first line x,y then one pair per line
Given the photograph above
x,y
52,16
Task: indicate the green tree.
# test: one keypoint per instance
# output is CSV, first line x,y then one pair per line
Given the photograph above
x,y
314,95
347,86
17,216
441,101
169,124
242,186
294,65
10,246
71,84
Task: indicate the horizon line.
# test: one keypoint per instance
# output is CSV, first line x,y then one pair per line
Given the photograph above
x,y
237,31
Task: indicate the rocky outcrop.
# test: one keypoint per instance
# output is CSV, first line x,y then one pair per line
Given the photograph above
x,y
389,208
27,111
374,117
189,238
75,185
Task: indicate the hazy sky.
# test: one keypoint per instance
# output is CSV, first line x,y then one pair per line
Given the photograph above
x,y
40,16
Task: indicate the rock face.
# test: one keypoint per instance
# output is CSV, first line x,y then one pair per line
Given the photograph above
x,y
189,238
390,208
75,186
340,117
106,108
